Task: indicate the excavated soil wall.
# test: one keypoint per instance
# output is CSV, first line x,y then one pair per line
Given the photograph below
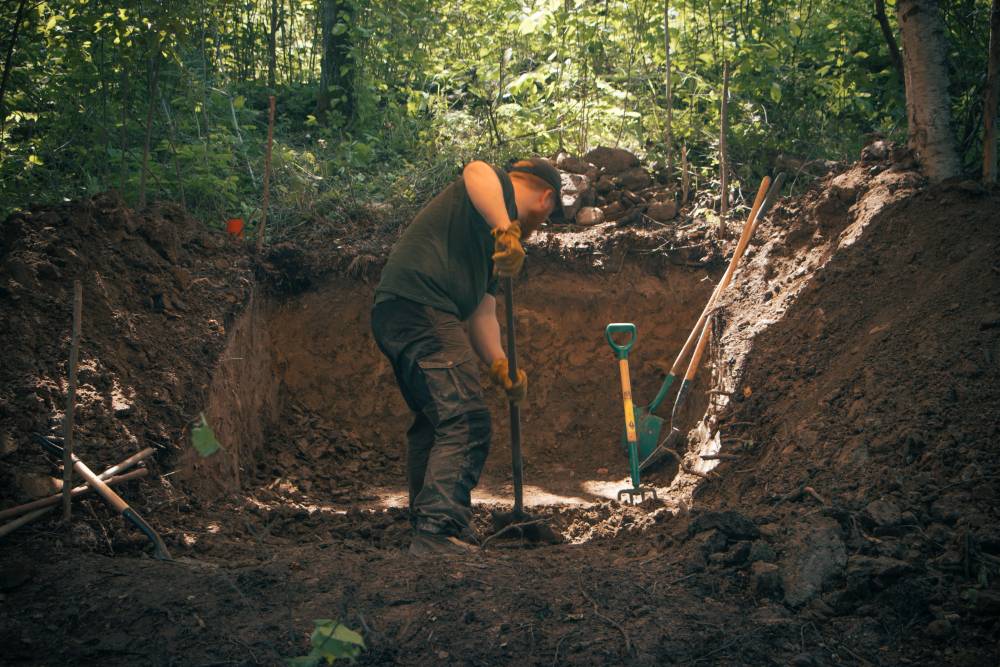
x,y
314,354
243,400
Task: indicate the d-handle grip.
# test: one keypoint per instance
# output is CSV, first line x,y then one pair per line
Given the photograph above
x,y
621,351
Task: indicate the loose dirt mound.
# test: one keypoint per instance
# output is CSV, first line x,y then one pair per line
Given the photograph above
x,y
159,291
862,347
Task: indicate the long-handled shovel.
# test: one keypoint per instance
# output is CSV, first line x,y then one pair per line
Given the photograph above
x,y
621,353
529,527
753,222
648,424
110,497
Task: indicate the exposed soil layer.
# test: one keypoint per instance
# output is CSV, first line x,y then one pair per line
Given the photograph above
x,y
850,520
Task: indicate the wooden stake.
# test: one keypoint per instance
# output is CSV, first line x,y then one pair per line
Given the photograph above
x,y
724,153
74,353
267,174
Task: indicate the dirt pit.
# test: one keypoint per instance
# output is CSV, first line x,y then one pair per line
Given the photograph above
x,y
340,435
803,538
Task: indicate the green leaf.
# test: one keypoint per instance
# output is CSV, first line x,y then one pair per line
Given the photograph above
x,y
239,101
775,91
796,30
304,661
122,14
339,29
203,438
532,22
332,640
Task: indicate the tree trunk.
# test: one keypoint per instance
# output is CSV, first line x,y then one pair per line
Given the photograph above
x,y
154,76
990,99
272,45
668,138
685,175
123,89
890,39
336,80
724,152
7,65
928,104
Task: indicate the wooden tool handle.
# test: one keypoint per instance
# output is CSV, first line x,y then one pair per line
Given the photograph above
x,y
98,485
627,400
741,245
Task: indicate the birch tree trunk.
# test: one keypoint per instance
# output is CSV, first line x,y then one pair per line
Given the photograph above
x,y
928,104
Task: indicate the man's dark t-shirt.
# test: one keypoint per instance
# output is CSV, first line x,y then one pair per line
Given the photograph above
x,y
444,258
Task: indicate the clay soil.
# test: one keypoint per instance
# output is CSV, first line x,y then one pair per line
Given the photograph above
x,y
835,502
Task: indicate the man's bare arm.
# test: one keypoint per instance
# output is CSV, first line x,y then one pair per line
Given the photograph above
x,y
484,331
486,193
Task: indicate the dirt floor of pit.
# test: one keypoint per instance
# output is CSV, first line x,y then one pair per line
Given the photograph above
x,y
777,560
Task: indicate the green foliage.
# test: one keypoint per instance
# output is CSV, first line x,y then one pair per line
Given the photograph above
x,y
331,640
436,84
203,438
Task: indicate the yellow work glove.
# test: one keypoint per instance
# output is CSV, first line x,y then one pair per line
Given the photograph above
x,y
508,255
500,374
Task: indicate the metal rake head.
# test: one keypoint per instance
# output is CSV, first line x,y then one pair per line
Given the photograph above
x,y
640,491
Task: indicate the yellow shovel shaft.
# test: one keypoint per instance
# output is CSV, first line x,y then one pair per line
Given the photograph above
x,y
627,400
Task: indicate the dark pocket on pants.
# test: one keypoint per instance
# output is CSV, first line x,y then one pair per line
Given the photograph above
x,y
453,386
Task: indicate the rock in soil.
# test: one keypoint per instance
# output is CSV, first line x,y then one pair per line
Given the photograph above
x,y
589,216
815,556
612,160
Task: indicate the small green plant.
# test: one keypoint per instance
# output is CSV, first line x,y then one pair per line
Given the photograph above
x,y
330,640
203,438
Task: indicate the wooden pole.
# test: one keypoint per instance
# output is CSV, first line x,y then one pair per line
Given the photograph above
x,y
74,353
724,153
267,174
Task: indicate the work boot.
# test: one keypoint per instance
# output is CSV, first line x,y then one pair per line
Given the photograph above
x,y
430,544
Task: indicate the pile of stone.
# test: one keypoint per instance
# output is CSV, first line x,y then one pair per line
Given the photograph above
x,y
610,185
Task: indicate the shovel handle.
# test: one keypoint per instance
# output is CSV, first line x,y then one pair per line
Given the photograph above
x,y
517,463
621,351
630,433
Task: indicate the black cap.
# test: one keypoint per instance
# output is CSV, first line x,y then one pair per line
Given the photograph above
x,y
544,170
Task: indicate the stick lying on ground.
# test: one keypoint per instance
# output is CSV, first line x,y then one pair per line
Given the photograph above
x,y
83,488
25,519
111,498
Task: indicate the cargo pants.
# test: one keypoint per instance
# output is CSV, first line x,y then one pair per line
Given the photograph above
x,y
438,375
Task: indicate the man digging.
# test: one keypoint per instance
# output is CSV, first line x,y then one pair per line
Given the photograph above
x,y
435,311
